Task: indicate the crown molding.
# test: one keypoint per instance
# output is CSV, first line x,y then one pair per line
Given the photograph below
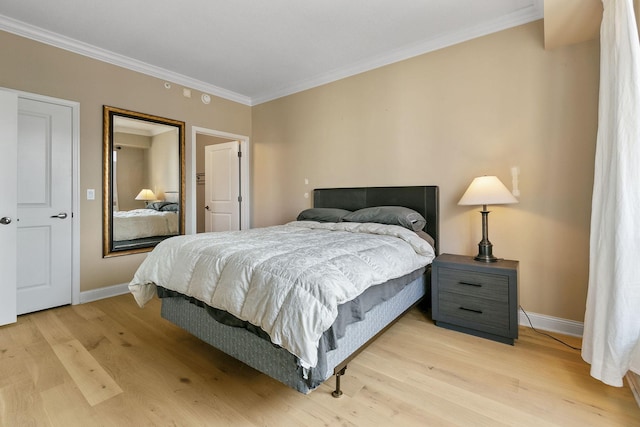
x,y
528,14
44,36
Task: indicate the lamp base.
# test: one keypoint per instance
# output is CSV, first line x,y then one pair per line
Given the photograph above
x,y
485,253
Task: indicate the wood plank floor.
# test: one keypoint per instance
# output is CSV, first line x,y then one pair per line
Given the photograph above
x,y
110,363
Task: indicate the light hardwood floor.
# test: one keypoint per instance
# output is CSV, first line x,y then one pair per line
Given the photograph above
x,y
110,363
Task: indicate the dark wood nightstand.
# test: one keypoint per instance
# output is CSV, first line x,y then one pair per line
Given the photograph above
x,y
475,297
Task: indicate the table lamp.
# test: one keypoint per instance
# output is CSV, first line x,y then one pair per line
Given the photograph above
x,y
486,190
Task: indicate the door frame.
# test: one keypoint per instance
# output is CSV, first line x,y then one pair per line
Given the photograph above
x,y
75,182
245,184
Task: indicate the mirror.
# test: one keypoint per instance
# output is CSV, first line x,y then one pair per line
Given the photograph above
x,y
144,181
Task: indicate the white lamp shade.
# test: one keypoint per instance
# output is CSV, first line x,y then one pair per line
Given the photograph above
x,y
146,195
487,190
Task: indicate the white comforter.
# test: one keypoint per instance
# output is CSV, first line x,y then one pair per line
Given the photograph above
x,y
139,223
288,279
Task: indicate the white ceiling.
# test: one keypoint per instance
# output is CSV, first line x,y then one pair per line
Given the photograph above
x,y
252,51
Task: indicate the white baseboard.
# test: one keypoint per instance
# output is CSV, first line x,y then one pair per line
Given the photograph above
x,y
539,321
573,328
634,383
101,293
552,324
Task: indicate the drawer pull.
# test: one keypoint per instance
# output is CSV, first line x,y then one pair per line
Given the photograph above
x,y
471,309
477,285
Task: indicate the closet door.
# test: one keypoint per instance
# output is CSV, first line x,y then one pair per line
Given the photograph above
x,y
44,198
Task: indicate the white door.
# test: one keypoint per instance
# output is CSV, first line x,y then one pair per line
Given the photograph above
x,y
222,187
44,199
8,205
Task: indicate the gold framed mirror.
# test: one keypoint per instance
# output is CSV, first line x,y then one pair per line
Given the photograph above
x,y
143,181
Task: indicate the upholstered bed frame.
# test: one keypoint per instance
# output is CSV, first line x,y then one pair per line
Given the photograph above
x,y
422,199
278,362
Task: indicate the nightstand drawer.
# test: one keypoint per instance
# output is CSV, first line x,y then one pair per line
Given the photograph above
x,y
474,283
477,313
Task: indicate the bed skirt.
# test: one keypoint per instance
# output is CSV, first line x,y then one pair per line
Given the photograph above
x,y
277,362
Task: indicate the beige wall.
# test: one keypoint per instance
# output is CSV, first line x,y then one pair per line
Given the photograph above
x,y
164,164
132,168
443,118
571,21
146,162
34,67
131,176
574,21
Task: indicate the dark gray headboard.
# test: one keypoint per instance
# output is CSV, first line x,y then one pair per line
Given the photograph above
x,y
422,199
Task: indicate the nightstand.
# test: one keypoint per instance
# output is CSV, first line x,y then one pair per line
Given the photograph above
x,y
475,297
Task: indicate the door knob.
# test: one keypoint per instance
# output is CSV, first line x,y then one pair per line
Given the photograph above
x,y
207,208
5,220
61,215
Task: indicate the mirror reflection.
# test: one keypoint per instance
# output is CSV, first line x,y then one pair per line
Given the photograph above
x,y
144,181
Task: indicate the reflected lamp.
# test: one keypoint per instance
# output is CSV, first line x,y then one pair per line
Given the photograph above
x,y
146,195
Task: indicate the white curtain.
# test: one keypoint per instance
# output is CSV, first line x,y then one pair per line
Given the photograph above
x,y
611,342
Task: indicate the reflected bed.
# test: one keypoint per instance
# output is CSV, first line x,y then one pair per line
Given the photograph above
x,y
145,226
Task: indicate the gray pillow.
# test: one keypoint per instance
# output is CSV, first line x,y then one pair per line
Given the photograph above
x,y
163,206
156,205
392,215
322,214
170,207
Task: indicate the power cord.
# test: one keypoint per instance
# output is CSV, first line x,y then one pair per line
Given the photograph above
x,y
548,335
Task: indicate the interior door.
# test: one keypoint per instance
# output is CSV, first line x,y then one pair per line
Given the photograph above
x,y
222,187
44,200
8,205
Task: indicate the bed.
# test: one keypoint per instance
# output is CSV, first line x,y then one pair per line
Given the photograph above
x,y
157,221
261,337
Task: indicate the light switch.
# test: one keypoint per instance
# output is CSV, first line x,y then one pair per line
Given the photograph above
x,y
91,194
